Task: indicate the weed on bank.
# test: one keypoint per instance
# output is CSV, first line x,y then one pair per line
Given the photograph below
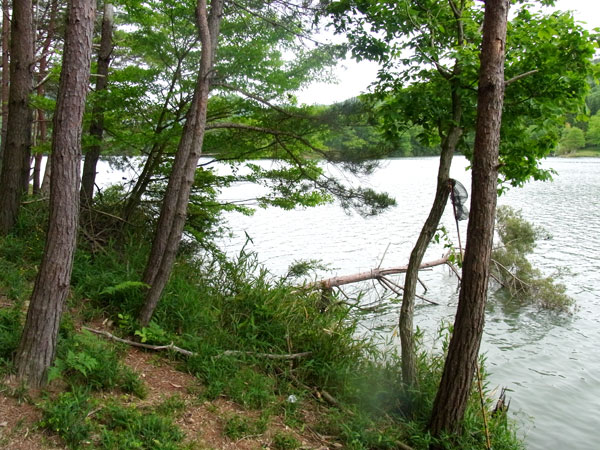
x,y
239,321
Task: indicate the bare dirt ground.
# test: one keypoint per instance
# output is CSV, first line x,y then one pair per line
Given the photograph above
x,y
201,421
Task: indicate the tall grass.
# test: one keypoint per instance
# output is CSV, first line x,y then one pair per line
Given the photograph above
x,y
231,312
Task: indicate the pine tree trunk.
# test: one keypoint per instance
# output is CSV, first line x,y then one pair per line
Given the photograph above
x,y
174,208
45,189
38,343
15,167
88,179
37,170
5,75
461,362
42,128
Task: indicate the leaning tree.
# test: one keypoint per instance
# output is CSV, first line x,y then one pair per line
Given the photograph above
x,y
37,347
428,52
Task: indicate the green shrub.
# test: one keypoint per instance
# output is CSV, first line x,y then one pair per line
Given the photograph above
x,y
125,296
125,428
238,427
67,416
10,331
251,389
510,266
285,441
83,359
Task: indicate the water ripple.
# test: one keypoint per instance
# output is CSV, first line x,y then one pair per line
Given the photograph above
x,y
549,363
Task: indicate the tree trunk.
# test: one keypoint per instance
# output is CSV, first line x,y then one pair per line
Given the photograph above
x,y
42,128
174,209
5,75
461,362
38,342
373,274
88,179
451,133
449,144
15,168
155,156
37,170
45,189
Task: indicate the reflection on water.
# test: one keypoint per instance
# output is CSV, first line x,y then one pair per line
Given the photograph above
x,y
549,363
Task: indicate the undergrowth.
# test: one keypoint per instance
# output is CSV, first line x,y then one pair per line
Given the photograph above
x,y
82,421
85,360
519,280
233,315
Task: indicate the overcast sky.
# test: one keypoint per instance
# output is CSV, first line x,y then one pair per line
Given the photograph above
x,y
354,78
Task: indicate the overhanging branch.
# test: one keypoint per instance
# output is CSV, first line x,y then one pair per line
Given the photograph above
x,y
518,77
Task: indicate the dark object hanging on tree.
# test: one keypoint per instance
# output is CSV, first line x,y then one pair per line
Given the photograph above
x,y
459,197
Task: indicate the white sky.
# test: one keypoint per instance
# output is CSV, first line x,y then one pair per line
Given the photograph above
x,y
355,77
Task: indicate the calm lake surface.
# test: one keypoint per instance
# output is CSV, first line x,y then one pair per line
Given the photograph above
x,y
550,363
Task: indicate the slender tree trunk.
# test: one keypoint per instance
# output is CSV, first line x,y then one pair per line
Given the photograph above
x,y
42,128
407,340
45,188
18,135
155,156
461,362
5,75
451,134
174,208
38,343
37,173
88,179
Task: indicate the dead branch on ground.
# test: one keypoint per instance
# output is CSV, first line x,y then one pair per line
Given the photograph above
x,y
185,352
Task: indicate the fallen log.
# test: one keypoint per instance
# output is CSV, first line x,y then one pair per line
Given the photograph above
x,y
373,274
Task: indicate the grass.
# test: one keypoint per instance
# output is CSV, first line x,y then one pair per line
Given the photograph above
x,y
211,305
84,359
77,419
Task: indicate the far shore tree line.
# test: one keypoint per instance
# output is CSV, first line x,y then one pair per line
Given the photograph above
x,y
174,79
580,136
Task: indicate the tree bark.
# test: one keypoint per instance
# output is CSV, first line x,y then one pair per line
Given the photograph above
x,y
15,169
174,209
88,179
5,75
38,343
461,362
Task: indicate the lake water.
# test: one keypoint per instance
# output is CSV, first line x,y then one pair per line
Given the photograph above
x,y
549,362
